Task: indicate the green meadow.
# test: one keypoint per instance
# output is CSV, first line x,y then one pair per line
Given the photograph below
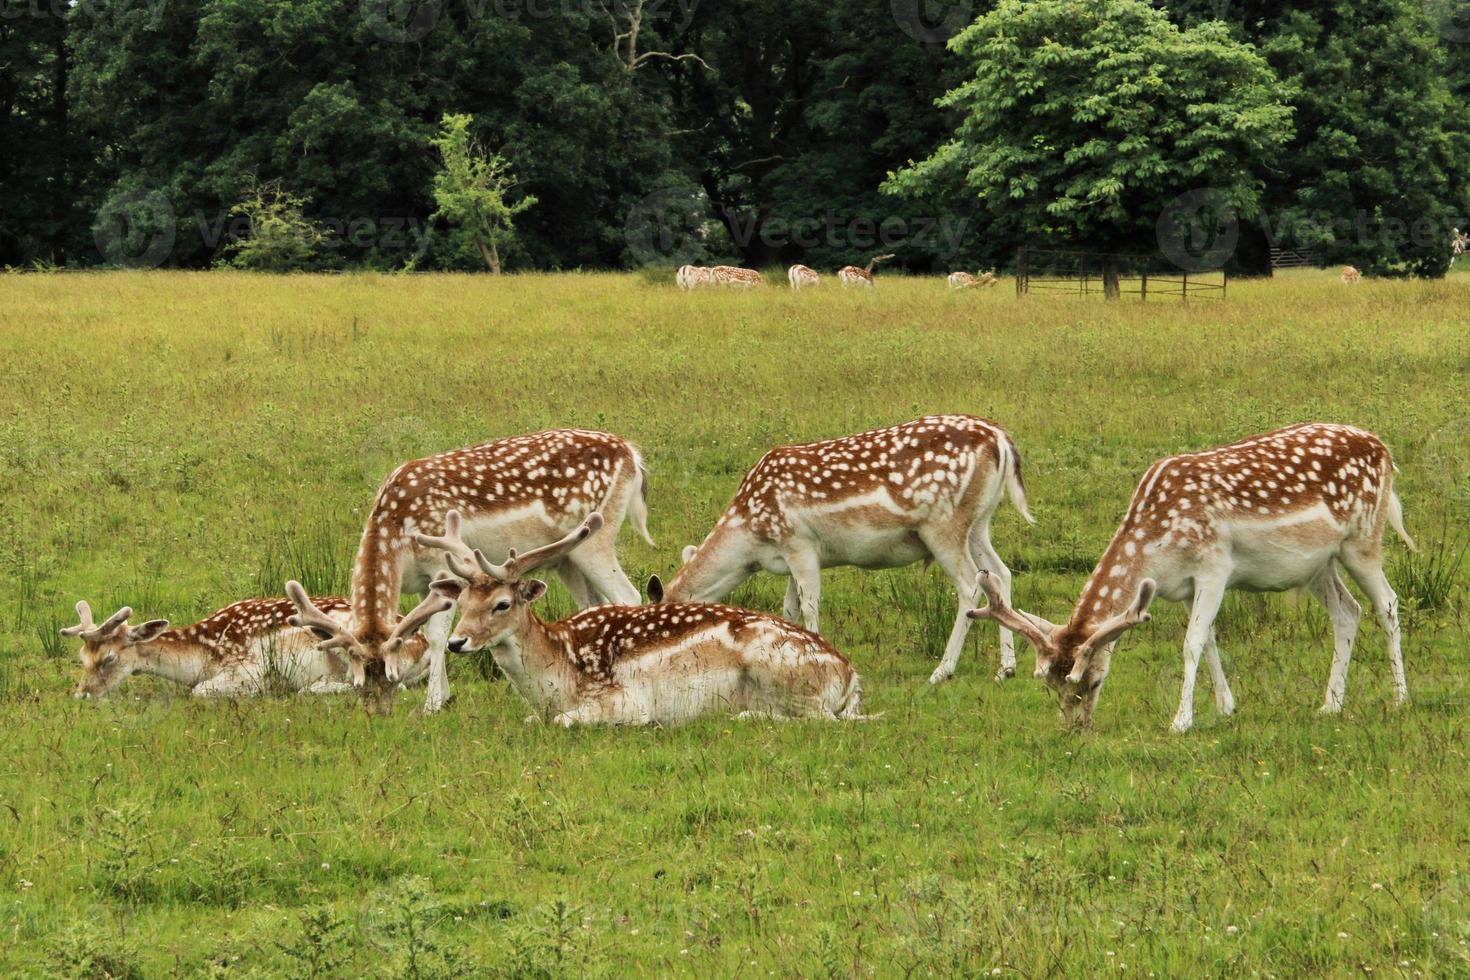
x,y
177,441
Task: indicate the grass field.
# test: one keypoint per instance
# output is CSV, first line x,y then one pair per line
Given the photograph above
x,y
177,441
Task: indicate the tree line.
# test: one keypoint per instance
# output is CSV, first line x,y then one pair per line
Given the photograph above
x,y
629,132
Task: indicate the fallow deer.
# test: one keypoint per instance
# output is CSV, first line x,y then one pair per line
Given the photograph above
x,y
851,275
639,664
735,277
690,276
1277,511
1350,275
922,490
963,280
233,653
802,276
513,493
1459,244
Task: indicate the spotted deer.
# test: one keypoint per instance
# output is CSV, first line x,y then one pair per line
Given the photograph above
x,y
518,492
690,276
735,277
1277,511
963,280
639,665
235,652
1350,275
1459,244
802,276
851,275
922,490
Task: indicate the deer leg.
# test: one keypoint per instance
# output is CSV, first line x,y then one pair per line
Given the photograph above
x,y
582,592
985,557
791,608
1206,605
1367,571
1224,700
328,686
950,551
597,561
806,576
436,634
1344,612
238,683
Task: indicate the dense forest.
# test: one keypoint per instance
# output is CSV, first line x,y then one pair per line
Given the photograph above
x,y
757,131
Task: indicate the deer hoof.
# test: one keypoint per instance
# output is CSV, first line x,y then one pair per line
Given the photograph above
x,y
1005,674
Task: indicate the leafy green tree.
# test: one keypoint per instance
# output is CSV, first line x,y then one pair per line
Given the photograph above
x,y
473,189
1084,119
278,237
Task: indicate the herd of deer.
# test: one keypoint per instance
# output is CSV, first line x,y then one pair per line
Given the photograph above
x,y
1276,511
802,276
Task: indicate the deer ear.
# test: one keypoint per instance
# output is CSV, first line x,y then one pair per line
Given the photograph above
x,y
147,631
689,551
449,588
531,589
655,589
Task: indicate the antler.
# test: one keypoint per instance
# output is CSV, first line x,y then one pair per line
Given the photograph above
x,y
88,630
309,617
1137,612
459,556
1036,630
517,565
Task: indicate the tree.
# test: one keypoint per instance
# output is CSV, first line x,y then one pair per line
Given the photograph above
x,y
472,188
279,238
1085,119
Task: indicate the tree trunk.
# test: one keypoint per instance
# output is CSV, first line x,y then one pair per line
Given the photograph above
x,y
494,258
492,261
1110,277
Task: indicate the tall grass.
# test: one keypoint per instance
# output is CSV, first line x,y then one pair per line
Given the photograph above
x,y
176,441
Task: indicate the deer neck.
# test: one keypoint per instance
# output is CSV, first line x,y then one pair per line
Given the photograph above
x,y
538,659
377,577
174,658
722,562
1114,583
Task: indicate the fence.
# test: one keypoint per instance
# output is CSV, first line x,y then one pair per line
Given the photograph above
x,y
1114,275
1295,258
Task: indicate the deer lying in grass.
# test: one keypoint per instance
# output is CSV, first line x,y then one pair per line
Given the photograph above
x,y
851,275
638,665
1276,511
963,280
237,652
922,490
514,493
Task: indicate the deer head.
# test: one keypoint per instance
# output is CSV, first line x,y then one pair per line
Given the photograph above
x,y
112,651
364,656
495,600
1072,660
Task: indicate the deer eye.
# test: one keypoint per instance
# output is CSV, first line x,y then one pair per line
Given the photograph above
x,y
109,657
502,605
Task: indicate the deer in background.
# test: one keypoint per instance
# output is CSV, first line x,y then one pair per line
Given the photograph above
x,y
734,277
519,492
1277,511
1350,275
690,276
233,653
922,490
851,275
1459,242
638,665
963,280
801,276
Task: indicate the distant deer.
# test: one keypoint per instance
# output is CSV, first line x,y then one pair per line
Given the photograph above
x,y
1276,511
922,490
734,277
1459,243
963,280
1350,275
690,276
638,665
514,493
851,275
801,276
233,653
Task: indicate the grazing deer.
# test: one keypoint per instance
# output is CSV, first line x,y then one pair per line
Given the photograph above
x,y
1350,275
690,276
1272,512
233,653
963,280
734,277
638,665
1459,243
801,276
851,275
513,493
918,491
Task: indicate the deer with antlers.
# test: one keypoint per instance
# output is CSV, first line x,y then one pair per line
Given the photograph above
x,y
851,275
233,653
637,665
963,280
1277,511
922,490
801,276
513,493
1459,244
